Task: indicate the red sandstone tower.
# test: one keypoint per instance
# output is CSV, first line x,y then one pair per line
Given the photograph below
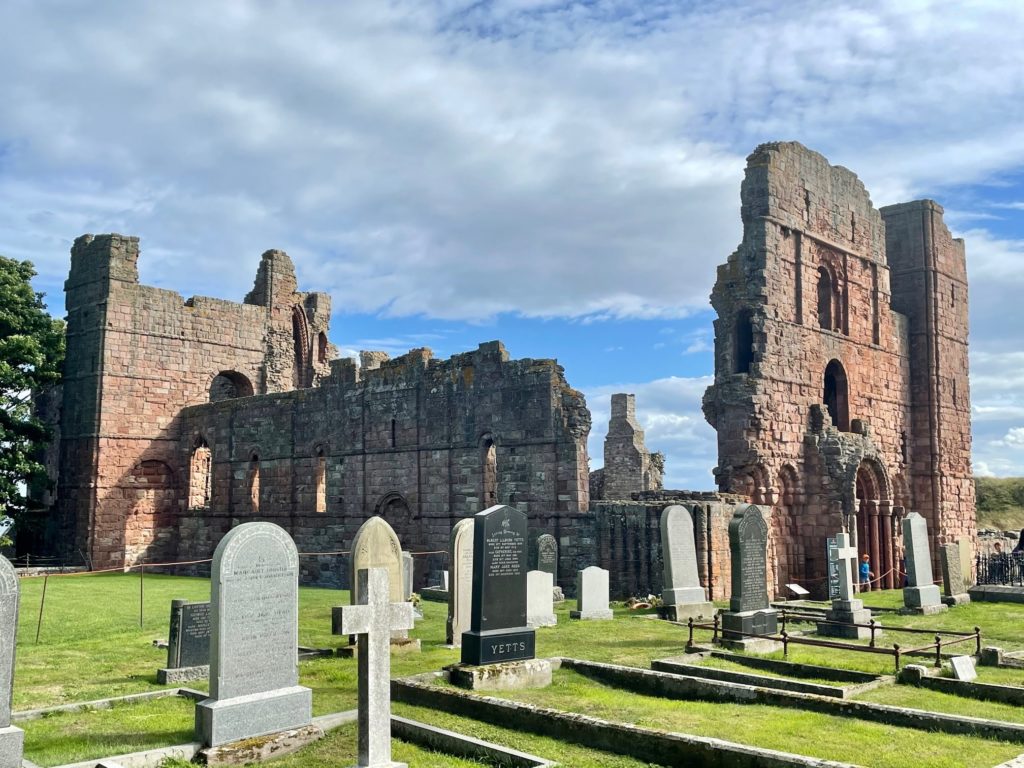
x,y
841,396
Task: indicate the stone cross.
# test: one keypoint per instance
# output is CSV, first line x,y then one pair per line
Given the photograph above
x,y
845,556
373,621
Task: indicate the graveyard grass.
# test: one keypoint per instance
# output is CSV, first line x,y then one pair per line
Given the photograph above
x,y
91,647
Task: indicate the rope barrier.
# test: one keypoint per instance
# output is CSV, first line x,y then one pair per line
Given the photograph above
x,y
141,566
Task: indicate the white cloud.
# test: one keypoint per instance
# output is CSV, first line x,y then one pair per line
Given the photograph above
x,y
463,159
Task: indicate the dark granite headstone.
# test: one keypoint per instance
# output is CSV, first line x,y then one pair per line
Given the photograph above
x,y
547,555
748,544
188,643
498,630
749,612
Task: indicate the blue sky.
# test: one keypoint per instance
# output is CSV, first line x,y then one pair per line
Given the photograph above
x,y
562,176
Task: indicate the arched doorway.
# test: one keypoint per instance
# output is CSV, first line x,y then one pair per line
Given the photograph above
x,y
874,523
836,395
395,509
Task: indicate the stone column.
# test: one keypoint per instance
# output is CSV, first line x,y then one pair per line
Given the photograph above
x,y
888,553
874,538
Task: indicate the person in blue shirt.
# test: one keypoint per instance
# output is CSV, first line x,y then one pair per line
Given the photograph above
x,y
866,574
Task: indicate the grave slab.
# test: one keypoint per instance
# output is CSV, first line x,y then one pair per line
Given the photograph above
x,y
749,611
254,674
683,596
540,610
498,631
921,595
592,595
963,668
12,738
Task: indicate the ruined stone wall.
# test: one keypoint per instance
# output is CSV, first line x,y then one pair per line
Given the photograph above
x,y
629,468
403,440
821,365
624,537
931,289
136,356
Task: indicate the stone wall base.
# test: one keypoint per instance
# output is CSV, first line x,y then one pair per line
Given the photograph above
x,y
512,675
257,750
175,675
222,721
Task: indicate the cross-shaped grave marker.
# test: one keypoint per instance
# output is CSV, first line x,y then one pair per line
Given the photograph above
x,y
373,621
845,556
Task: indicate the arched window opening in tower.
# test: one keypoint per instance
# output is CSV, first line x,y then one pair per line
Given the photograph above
x,y
228,385
744,351
489,472
826,300
254,484
200,476
321,481
836,396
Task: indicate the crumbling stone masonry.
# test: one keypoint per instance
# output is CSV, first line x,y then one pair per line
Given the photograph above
x,y
841,396
629,467
181,419
841,399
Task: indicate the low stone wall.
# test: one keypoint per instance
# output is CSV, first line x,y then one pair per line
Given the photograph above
x,y
1004,694
798,670
688,688
643,744
996,593
730,676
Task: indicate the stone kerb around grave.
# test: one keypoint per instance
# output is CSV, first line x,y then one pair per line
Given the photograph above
x,y
254,614
12,738
683,596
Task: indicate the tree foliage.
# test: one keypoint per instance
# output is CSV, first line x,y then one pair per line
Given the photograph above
x,y
31,357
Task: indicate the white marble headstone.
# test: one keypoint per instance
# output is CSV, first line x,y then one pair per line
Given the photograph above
x,y
592,594
12,738
460,581
540,610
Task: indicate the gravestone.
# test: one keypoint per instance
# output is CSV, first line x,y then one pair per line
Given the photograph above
x,y
963,668
376,545
682,597
373,621
592,595
920,595
967,561
846,608
498,631
547,555
540,611
254,615
407,573
460,581
12,738
188,643
749,611
953,582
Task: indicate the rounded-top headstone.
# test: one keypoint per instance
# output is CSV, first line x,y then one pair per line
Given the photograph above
x,y
376,545
679,551
748,545
460,580
8,630
255,612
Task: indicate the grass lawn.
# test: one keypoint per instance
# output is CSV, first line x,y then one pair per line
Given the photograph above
x,y
807,733
91,646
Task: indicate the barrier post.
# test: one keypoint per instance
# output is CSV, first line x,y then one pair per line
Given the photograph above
x,y
142,581
785,644
689,623
714,637
42,603
896,653
977,641
938,650
872,643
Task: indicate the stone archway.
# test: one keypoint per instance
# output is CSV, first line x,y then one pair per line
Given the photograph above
x,y
874,522
786,547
